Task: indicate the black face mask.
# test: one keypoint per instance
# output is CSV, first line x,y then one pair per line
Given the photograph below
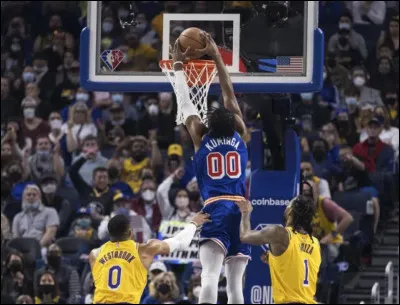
x,y
319,154
113,173
15,177
54,261
164,289
15,266
139,157
390,101
46,288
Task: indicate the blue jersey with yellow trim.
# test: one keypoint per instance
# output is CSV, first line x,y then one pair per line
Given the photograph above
x,y
220,166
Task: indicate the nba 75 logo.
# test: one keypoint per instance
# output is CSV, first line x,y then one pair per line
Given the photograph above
x,y
112,58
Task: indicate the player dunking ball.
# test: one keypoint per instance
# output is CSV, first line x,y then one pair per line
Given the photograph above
x,y
220,161
294,254
119,267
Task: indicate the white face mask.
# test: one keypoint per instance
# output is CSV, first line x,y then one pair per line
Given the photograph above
x,y
29,113
351,100
117,98
141,27
359,81
324,75
153,109
306,96
49,188
148,195
28,77
82,96
55,124
344,26
107,27
182,202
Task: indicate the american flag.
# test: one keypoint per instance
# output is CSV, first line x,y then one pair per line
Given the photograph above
x,y
282,64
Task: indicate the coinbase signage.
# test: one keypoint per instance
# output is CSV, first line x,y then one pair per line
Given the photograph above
x,y
270,194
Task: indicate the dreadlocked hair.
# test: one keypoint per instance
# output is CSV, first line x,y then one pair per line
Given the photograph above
x,y
221,123
303,210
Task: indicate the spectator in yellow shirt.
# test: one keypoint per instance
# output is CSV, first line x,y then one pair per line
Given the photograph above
x,y
138,49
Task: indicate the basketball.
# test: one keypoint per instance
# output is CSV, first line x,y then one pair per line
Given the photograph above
x,y
191,37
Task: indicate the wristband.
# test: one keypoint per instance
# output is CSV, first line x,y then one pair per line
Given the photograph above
x,y
177,62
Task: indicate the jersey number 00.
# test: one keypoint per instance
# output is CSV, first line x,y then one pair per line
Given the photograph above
x,y
219,165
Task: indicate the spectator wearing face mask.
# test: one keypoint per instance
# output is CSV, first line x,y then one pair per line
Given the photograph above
x,y
330,134
347,39
174,159
67,277
390,37
389,134
156,268
56,133
376,155
65,94
79,126
308,174
133,166
35,220
179,208
83,226
109,33
49,186
43,108
46,160
15,280
28,76
146,205
32,126
368,12
322,166
361,92
354,176
163,289
346,127
141,229
385,79
47,291
9,105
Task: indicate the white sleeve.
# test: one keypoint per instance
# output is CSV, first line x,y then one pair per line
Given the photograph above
x,y
183,239
185,105
102,231
324,188
163,199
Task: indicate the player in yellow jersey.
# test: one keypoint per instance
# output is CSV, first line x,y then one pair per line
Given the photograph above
x,y
294,256
119,267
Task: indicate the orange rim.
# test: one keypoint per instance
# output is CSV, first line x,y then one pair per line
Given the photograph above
x,y
198,65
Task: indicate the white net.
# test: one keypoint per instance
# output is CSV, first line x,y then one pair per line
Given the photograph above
x,y
199,76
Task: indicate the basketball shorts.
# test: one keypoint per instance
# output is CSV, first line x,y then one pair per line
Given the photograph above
x,y
225,228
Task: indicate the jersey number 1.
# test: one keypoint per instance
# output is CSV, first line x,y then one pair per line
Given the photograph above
x,y
219,166
306,267
114,283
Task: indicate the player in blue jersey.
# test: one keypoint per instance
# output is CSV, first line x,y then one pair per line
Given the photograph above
x,y
220,162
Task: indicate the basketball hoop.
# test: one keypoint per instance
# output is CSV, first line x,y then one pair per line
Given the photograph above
x,y
199,76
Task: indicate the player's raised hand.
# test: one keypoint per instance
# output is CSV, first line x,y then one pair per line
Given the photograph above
x,y
177,54
211,48
244,206
201,218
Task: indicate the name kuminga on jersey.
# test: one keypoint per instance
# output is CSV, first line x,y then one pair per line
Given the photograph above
x,y
214,143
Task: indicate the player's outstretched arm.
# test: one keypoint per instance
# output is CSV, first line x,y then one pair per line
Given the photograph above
x,y
192,120
228,94
271,234
180,241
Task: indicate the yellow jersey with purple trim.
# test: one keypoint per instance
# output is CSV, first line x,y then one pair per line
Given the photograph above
x,y
118,274
220,166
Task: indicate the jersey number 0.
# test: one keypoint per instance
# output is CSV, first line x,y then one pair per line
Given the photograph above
x,y
219,166
114,282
